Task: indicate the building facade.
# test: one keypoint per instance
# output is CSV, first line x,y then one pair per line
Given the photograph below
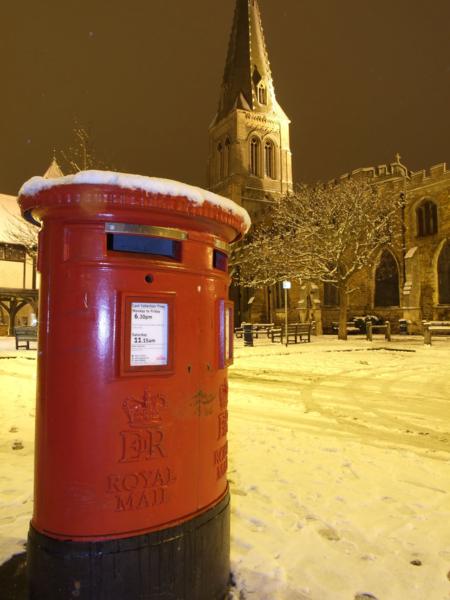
x,y
250,162
411,279
19,281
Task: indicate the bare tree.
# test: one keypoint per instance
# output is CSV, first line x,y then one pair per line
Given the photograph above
x,y
80,155
324,233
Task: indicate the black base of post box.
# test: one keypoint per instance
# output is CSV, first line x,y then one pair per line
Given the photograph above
x,y
188,562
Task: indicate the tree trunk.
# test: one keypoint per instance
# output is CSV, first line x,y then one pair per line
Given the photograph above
x,y
269,305
343,309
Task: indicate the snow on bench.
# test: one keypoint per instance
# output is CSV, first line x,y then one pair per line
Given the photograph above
x,y
431,328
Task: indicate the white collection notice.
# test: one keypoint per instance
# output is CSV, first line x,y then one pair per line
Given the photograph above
x,y
149,334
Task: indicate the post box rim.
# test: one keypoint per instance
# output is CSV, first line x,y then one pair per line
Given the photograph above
x,y
114,199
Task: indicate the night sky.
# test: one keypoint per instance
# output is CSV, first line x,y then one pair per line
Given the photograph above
x,y
360,80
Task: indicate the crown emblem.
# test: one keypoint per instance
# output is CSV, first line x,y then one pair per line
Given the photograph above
x,y
223,395
146,412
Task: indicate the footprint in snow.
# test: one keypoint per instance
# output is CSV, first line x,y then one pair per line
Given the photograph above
x,y
238,492
329,534
257,525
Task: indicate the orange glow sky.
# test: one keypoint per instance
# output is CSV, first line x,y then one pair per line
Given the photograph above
x,y
360,80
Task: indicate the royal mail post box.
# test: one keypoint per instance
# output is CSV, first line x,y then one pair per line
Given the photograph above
x,y
135,337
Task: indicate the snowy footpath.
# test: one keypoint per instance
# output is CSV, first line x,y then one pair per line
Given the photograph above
x,y
339,467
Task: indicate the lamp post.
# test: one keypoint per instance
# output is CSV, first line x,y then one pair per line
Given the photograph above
x,y
286,287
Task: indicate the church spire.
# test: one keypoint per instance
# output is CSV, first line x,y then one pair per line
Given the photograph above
x,y
249,155
247,81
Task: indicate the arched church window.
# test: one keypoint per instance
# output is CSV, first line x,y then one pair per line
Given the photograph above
x,y
444,274
269,159
279,296
426,214
226,157
262,94
330,294
387,281
220,157
255,146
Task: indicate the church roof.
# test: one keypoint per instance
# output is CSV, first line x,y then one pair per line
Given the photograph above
x,y
9,210
247,66
53,171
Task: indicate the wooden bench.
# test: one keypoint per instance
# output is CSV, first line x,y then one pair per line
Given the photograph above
x,y
431,328
25,335
351,327
257,328
239,332
263,328
295,332
371,328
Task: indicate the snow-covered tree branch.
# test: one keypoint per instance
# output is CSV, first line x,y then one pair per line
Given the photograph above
x,y
80,155
21,232
324,233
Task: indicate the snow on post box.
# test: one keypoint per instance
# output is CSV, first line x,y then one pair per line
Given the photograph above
x,y
135,336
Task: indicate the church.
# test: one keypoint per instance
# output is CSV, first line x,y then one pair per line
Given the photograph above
x,y
250,162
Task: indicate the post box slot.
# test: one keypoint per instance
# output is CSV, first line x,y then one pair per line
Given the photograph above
x,y
139,244
220,260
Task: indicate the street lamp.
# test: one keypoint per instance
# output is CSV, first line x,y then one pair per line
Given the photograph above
x,y
286,286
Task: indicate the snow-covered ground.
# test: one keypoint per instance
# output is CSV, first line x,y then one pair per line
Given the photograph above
x,y
339,467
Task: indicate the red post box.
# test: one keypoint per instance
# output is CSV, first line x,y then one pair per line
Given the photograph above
x,y
135,336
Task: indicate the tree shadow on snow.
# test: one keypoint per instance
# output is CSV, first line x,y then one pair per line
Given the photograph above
x,y
13,581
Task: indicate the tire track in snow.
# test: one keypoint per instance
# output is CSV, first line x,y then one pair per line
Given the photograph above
x,y
371,409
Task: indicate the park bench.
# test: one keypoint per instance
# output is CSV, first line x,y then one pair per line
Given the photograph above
x,y
431,328
384,328
263,328
351,327
25,335
257,328
296,332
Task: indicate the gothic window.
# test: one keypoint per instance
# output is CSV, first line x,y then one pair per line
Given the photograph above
x,y
12,252
269,159
226,157
330,294
255,147
278,296
444,274
426,215
220,157
387,281
262,94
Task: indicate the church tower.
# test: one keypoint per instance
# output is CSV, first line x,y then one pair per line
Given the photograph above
x,y
249,153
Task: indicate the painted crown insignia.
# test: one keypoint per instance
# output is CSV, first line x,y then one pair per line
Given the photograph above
x,y
146,412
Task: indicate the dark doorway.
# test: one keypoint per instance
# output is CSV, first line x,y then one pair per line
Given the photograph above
x,y
387,281
444,274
